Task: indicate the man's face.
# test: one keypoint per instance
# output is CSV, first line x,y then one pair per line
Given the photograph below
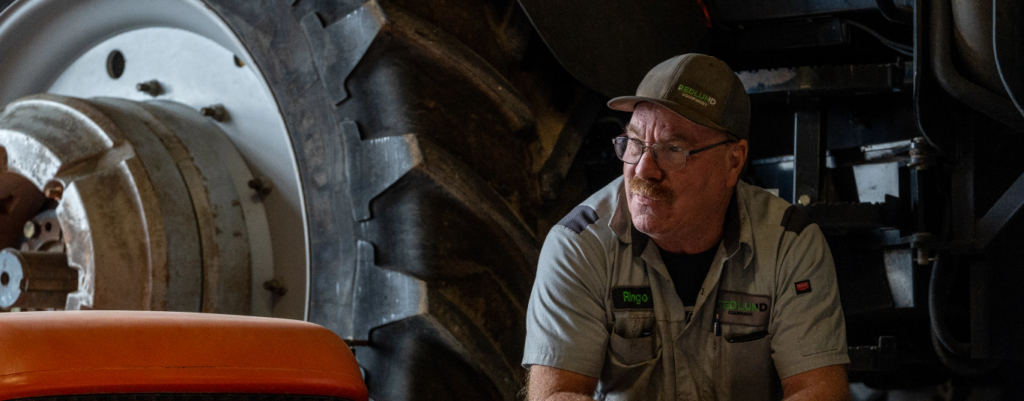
x,y
666,204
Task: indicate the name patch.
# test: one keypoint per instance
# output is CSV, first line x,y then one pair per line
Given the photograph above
x,y
632,298
742,308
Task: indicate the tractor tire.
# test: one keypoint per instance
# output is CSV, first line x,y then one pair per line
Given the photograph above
x,y
417,157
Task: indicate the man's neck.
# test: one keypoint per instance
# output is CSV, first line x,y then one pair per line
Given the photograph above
x,y
691,240
699,242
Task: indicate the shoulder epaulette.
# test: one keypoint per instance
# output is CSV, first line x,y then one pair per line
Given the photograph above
x,y
795,220
579,218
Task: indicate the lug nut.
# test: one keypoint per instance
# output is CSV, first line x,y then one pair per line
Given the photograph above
x,y
53,190
217,112
275,287
261,187
153,88
30,230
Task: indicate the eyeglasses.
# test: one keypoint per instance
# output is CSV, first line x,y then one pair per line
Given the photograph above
x,y
668,156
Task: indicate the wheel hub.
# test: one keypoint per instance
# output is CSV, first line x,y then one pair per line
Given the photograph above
x,y
150,202
178,51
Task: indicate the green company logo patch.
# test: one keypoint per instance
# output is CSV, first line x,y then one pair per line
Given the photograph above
x,y
700,97
632,298
742,306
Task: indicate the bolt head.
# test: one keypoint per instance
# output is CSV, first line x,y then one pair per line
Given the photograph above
x,y
53,190
30,229
261,187
275,287
216,112
152,88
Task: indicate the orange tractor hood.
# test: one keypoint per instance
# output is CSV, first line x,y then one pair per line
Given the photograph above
x,y
106,352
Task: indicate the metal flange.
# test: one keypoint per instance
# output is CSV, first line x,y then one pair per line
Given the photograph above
x,y
151,200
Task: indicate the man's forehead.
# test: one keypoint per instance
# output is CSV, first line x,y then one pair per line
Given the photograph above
x,y
653,119
666,134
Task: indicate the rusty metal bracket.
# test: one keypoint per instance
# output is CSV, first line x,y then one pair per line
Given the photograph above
x,y
35,279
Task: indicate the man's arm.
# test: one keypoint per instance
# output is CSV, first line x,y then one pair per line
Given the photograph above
x,y
809,336
825,383
566,323
552,384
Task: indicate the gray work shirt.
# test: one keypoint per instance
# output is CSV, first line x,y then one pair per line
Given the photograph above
x,y
604,304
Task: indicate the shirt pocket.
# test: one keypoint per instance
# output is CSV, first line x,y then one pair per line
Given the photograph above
x,y
631,369
744,368
634,338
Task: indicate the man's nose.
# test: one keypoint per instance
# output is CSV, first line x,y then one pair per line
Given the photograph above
x,y
647,168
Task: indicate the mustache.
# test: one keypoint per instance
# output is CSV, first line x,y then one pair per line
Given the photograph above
x,y
650,189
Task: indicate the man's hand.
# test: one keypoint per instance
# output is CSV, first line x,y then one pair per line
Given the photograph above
x,y
552,384
826,383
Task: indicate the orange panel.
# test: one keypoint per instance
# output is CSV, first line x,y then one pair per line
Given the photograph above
x,y
95,352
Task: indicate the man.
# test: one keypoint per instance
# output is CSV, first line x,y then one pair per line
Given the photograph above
x,y
677,281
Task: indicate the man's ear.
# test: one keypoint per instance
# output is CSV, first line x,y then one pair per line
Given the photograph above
x,y
737,159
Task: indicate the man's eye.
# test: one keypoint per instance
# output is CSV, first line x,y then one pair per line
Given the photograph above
x,y
678,149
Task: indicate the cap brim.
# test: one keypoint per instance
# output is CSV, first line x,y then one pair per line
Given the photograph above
x,y
628,103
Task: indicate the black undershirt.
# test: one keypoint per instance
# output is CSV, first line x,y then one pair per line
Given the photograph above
x,y
688,272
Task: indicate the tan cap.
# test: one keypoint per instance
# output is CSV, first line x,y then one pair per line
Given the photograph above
x,y
701,88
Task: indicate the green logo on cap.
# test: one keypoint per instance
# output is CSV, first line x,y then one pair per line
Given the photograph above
x,y
700,97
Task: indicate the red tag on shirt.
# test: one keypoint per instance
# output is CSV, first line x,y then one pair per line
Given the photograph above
x,y
803,287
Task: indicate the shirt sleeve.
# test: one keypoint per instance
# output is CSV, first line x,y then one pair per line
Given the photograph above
x,y
566,324
808,323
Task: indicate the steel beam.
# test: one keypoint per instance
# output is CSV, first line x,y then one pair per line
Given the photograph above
x,y
880,78
808,153
1001,212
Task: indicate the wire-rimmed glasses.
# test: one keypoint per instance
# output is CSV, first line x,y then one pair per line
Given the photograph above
x,y
668,156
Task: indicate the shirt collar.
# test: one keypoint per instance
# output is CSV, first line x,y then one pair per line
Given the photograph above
x,y
737,236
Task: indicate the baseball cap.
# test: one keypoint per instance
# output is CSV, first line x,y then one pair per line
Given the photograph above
x,y
701,88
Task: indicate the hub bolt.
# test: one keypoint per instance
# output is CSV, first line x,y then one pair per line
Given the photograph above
x,y
30,230
153,88
54,190
217,112
275,287
261,187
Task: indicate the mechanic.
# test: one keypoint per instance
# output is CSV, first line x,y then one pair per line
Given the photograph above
x,y
678,281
